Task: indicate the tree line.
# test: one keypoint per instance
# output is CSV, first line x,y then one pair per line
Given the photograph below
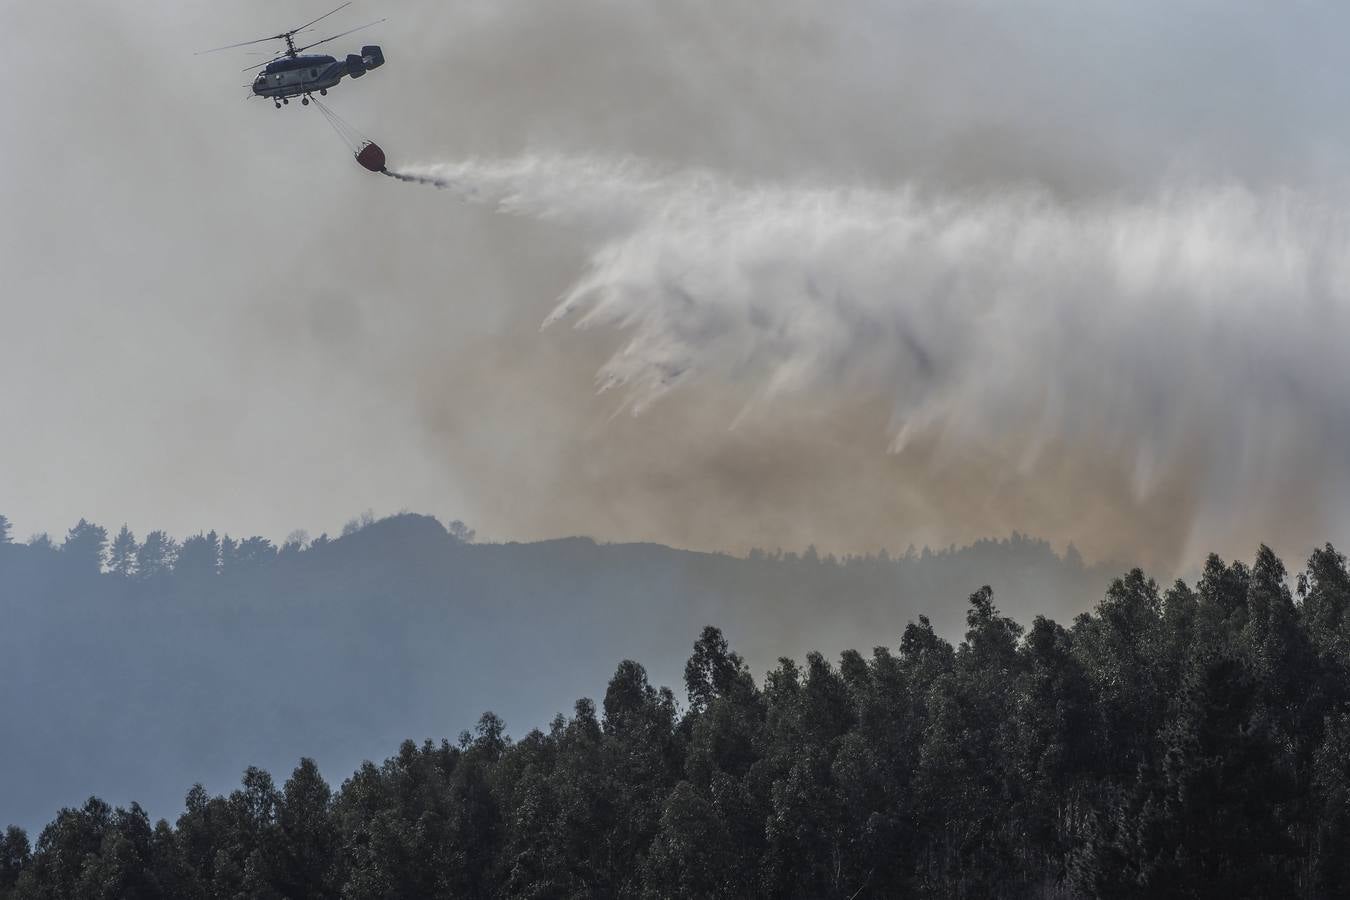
x,y
1192,741
88,549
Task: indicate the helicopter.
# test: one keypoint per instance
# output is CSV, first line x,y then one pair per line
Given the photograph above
x,y
289,74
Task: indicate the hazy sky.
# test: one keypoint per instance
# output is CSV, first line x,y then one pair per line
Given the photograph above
x,y
941,270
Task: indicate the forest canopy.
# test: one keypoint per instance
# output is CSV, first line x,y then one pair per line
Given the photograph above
x,y
1187,741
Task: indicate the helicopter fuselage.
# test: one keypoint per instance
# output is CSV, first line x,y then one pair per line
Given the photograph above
x,y
295,76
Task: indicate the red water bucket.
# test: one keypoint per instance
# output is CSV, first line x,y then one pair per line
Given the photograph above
x,y
371,156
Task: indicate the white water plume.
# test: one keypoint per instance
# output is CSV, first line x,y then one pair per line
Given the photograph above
x,y
1199,326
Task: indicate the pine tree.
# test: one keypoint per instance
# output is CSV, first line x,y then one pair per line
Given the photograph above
x,y
306,845
15,855
122,557
156,556
84,547
199,557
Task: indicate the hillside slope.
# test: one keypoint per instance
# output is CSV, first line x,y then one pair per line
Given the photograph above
x,y
135,688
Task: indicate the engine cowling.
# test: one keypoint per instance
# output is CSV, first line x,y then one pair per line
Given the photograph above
x,y
356,66
373,56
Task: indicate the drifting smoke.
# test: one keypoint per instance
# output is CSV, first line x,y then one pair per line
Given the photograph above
x,y
1193,334
1032,370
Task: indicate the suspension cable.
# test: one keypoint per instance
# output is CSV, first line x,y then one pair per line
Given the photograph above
x,y
349,134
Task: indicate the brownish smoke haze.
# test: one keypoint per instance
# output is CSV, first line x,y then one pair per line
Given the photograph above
x,y
290,341
865,92
813,471
1127,421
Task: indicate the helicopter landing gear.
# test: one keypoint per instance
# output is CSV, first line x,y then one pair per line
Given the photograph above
x,y
304,101
323,92
286,100
278,103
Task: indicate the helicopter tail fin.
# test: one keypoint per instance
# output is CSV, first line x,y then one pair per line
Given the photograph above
x,y
370,57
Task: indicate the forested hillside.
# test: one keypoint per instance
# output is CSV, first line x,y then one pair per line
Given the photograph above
x,y
1181,743
131,666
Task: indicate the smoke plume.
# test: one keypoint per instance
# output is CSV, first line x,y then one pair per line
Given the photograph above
x,y
1187,334
1049,260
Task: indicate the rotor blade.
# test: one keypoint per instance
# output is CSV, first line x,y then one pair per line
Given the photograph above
x,y
275,37
266,62
270,52
336,36
322,17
